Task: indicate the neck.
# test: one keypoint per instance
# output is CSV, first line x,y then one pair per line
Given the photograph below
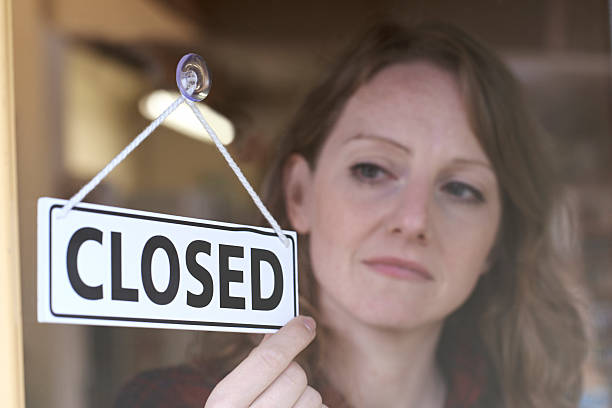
x,y
374,367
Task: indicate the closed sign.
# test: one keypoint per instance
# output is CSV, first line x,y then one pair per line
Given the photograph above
x,y
110,266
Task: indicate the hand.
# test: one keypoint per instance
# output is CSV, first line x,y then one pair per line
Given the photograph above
x,y
268,376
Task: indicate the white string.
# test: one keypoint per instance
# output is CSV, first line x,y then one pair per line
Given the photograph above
x,y
87,188
119,158
238,172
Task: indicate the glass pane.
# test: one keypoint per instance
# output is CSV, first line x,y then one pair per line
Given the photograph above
x,y
83,68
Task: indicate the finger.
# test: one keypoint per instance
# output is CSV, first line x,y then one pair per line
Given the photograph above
x,y
266,362
266,337
285,390
310,398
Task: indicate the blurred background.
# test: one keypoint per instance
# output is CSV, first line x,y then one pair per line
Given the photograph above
x,y
84,70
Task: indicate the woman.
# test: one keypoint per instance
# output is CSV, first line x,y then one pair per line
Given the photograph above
x,y
424,200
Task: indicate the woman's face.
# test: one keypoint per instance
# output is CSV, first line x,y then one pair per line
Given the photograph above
x,y
402,207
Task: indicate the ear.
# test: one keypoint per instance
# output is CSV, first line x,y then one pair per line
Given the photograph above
x,y
297,188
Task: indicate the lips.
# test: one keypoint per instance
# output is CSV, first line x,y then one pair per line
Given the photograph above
x,y
399,268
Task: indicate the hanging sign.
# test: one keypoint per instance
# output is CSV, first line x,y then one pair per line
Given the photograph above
x,y
111,266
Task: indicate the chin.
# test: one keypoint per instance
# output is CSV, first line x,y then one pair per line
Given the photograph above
x,y
387,315
391,318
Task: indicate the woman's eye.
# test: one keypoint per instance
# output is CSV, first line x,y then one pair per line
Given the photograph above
x,y
369,172
463,192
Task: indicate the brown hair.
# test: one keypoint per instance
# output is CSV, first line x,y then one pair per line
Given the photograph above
x,y
522,317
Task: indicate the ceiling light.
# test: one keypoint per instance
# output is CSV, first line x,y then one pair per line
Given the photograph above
x,y
183,120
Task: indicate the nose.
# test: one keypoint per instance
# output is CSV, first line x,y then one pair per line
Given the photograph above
x,y
410,213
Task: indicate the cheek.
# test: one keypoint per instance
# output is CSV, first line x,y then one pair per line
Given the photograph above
x,y
468,243
332,224
339,217
465,243
465,231
338,228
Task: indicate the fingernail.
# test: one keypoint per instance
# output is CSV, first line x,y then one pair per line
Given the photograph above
x,y
309,322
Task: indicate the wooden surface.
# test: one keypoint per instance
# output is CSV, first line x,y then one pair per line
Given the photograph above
x,y
11,349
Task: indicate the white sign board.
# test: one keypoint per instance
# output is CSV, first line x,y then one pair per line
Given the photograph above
x,y
117,267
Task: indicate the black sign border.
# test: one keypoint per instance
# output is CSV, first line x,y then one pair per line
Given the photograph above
x,y
172,221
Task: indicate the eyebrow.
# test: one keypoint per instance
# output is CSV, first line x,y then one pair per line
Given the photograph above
x,y
474,162
369,136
